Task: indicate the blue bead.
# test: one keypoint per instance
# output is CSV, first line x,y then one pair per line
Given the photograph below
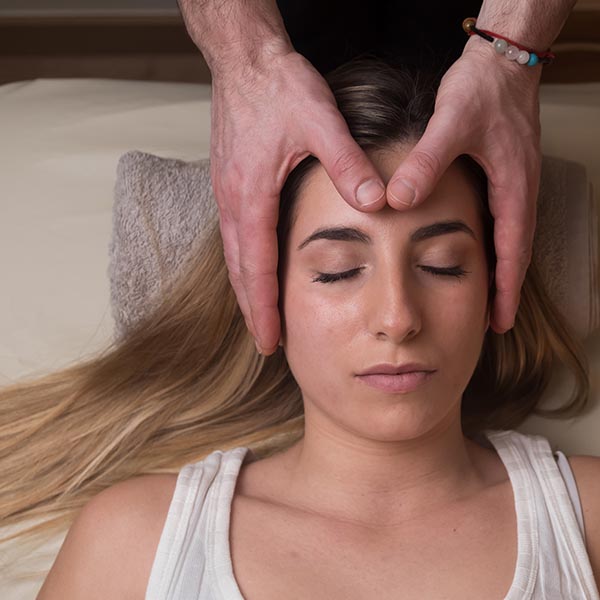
x,y
533,60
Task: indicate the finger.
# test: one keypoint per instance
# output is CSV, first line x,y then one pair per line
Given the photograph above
x,y
513,206
258,254
348,167
419,173
232,259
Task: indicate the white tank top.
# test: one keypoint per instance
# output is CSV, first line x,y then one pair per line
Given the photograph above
x,y
193,559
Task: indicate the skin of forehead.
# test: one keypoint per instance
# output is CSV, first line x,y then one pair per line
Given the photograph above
x,y
318,187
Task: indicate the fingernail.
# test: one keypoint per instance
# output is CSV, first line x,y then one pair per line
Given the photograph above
x,y
258,348
402,192
369,192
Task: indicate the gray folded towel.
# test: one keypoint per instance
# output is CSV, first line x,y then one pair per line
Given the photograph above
x,y
163,205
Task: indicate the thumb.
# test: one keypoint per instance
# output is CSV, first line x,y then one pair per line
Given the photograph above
x,y
348,166
419,173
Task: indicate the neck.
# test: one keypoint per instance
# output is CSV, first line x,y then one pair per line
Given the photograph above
x,y
381,483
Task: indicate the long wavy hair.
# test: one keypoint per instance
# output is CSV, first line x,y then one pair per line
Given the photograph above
x,y
186,380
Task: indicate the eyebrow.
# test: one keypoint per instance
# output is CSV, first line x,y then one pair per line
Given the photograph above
x,y
351,234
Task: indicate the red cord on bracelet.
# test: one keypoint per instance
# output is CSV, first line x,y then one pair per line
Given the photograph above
x,y
512,50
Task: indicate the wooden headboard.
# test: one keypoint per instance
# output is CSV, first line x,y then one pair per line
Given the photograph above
x,y
158,48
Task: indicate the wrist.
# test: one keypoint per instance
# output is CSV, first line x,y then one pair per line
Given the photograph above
x,y
256,54
235,33
486,52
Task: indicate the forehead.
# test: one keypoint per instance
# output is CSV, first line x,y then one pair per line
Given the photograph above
x,y
319,203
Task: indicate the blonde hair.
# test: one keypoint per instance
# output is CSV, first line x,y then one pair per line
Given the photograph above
x,y
187,380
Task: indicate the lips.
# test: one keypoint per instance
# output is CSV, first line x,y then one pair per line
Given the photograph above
x,y
395,369
396,383
396,378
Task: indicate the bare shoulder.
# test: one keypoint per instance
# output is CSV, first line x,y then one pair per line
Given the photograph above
x,y
110,547
586,470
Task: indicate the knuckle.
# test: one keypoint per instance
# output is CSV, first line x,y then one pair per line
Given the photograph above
x,y
427,162
522,257
250,273
522,260
232,177
256,226
345,162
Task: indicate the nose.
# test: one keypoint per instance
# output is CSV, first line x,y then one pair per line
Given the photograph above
x,y
395,308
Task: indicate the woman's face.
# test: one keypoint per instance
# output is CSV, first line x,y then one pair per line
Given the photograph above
x,y
390,307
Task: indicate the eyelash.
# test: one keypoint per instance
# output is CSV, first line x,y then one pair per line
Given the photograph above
x,y
457,272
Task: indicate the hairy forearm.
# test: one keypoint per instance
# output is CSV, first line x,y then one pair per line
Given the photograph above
x,y
231,31
533,23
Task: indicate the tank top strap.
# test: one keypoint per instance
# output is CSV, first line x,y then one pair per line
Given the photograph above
x,y
569,479
220,577
549,519
534,453
193,547
528,535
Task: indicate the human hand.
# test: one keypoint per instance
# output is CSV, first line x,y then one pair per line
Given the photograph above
x,y
267,117
488,107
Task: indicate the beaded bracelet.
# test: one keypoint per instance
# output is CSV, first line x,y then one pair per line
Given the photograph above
x,y
514,51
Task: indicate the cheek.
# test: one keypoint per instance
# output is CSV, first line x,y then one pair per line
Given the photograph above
x,y
462,309
317,326
459,325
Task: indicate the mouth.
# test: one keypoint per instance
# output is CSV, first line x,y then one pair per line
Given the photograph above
x,y
396,383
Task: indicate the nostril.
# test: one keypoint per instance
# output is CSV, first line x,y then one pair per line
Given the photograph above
x,y
396,333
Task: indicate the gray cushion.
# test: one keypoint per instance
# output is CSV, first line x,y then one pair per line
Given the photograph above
x,y
163,205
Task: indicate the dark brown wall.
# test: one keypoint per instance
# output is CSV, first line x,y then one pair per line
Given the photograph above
x,y
159,49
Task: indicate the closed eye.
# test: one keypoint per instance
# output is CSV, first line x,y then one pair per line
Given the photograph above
x,y
457,272
331,277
